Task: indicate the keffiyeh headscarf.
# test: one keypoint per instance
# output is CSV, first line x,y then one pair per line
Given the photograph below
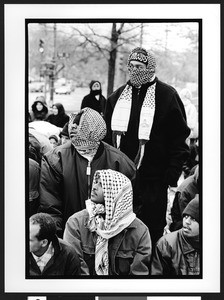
x,y
118,212
91,130
121,113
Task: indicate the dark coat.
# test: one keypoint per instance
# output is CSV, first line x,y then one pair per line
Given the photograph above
x,y
129,251
64,262
91,101
64,183
34,178
166,150
174,256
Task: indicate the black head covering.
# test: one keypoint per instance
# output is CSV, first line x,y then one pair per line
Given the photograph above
x,y
92,83
60,107
34,108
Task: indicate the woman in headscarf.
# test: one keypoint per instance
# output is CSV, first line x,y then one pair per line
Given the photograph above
x,y
108,237
39,111
95,99
58,118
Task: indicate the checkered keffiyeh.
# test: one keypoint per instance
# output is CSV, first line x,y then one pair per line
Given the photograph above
x,y
44,259
91,129
118,210
139,77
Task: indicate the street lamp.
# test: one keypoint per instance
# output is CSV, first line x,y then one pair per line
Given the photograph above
x,y
41,46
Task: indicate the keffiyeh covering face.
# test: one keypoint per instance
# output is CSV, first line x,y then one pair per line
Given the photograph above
x,y
90,131
118,211
139,77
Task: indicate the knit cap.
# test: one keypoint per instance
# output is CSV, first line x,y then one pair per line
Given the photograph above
x,y
143,56
192,209
64,131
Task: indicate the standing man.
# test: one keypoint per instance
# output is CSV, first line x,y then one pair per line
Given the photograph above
x,y
49,255
146,120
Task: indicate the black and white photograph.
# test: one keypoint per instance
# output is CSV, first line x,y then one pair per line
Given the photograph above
x,y
129,167
118,113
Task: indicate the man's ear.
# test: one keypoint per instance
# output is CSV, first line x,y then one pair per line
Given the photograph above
x,y
44,243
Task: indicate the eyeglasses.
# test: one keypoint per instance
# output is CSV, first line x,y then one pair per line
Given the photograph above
x,y
138,67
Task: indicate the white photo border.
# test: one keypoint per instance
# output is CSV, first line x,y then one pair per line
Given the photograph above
x,y
15,16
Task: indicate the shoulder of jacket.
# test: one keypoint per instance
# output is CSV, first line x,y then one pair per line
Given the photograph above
x,y
139,225
54,156
79,216
169,239
166,87
117,92
66,247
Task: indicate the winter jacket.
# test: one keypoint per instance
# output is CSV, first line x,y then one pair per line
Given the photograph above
x,y
166,150
64,183
174,256
65,262
129,251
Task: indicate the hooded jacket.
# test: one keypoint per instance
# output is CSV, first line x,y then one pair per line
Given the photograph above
x,y
64,180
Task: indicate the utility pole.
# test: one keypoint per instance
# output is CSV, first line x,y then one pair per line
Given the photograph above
x,y
52,77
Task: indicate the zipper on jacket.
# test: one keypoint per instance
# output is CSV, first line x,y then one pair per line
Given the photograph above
x,y
88,173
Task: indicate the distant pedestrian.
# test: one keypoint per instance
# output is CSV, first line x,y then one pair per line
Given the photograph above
x,y
49,255
58,117
95,99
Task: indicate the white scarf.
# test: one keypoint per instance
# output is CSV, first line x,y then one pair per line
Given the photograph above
x,y
121,116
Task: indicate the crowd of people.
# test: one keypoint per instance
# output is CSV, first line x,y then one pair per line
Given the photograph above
x,y
101,181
